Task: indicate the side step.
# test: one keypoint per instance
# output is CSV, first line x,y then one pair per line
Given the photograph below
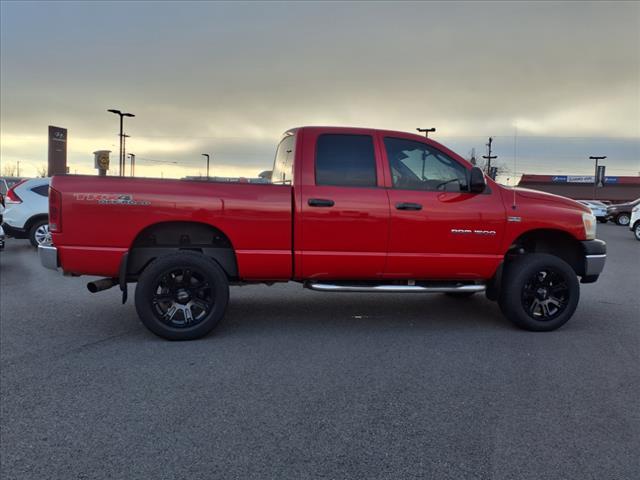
x,y
423,288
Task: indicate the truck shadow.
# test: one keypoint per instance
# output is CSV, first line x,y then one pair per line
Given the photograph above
x,y
306,311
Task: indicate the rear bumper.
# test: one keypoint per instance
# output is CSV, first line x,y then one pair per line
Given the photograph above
x,y
48,257
14,231
595,256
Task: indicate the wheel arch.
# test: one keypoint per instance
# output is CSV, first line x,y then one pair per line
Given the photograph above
x,y
160,238
553,242
34,219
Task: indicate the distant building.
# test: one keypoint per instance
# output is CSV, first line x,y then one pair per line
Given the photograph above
x,y
580,187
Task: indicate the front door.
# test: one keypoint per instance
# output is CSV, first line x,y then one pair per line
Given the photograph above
x,y
438,230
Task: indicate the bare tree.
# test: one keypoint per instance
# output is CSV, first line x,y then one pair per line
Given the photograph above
x,y
42,171
9,170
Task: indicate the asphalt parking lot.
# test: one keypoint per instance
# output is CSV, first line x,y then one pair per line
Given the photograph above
x,y
297,384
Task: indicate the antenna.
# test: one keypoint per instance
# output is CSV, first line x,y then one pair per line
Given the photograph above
x,y
515,156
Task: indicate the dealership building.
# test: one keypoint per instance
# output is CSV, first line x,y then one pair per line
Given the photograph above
x,y
580,187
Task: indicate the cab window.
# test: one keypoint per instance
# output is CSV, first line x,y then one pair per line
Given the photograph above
x,y
282,173
417,166
345,160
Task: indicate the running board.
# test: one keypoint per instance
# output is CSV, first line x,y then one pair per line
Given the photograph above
x,y
442,288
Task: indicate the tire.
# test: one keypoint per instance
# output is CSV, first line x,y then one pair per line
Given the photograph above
x,y
540,292
636,231
460,294
39,233
182,295
623,219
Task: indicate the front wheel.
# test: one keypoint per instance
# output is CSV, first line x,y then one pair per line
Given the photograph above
x,y
182,296
636,231
540,292
623,219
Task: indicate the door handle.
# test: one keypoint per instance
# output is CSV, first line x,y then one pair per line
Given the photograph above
x,y
320,202
408,206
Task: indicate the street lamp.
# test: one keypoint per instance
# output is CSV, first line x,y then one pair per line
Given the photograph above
x,y
426,131
207,155
595,176
132,157
122,115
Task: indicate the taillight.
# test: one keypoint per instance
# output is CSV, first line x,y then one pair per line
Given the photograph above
x,y
12,196
55,211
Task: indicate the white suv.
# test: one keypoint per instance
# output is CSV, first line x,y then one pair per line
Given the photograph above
x,y
634,224
26,213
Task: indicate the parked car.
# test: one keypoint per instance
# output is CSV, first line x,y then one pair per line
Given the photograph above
x,y
7,182
26,211
348,210
598,209
621,213
634,223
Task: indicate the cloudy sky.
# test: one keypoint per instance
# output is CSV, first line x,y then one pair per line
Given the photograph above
x,y
229,78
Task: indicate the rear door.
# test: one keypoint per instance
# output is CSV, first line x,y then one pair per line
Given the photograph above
x,y
344,224
438,230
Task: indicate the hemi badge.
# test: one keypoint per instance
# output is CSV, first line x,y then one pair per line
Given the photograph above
x,y
514,219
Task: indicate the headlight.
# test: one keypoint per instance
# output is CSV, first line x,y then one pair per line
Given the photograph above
x,y
636,209
589,222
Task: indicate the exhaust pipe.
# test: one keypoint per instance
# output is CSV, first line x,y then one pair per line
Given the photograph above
x,y
102,284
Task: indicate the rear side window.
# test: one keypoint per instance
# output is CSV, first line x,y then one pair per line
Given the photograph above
x,y
41,190
282,173
345,160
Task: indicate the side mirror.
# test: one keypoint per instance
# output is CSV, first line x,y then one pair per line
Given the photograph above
x,y
477,183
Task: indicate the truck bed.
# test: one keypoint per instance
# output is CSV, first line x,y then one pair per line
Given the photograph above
x,y
102,217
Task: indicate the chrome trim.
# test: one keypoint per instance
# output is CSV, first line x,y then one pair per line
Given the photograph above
x,y
594,264
48,256
326,287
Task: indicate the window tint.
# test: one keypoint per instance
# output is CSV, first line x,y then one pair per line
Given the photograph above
x,y
416,166
345,160
283,164
41,190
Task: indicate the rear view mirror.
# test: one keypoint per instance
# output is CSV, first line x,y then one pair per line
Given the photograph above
x,y
477,183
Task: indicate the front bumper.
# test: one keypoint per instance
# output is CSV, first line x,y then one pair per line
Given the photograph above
x,y
595,256
1,238
48,257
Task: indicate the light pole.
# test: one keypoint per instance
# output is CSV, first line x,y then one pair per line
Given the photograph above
x,y
122,115
207,155
426,131
132,156
595,176
489,157
124,154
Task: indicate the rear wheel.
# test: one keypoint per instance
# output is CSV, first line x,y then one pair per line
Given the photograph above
x,y
39,233
540,292
623,219
182,296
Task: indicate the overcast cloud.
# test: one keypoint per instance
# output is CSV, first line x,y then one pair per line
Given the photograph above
x,y
230,78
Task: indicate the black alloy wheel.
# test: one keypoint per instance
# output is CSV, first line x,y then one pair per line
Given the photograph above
x,y
545,295
539,292
182,296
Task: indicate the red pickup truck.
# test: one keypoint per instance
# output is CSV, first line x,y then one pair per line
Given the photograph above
x,y
347,210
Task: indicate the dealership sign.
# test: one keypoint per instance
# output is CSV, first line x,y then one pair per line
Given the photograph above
x,y
581,179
